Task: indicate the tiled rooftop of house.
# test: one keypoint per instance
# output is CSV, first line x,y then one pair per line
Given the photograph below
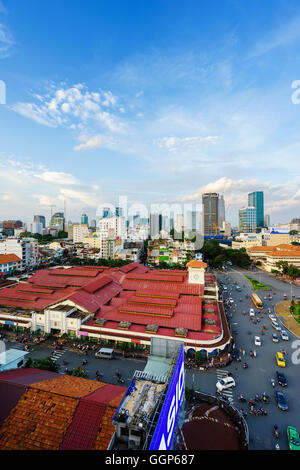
x,y
59,412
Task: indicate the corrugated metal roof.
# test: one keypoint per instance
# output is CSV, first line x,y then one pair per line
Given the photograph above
x,y
83,430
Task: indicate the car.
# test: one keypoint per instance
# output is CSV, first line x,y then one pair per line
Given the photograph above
x,y
272,317
251,312
284,335
293,438
231,300
281,401
280,359
285,296
275,338
270,298
281,379
265,297
225,383
276,326
257,341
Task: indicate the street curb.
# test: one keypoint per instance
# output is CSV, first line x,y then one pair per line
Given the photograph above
x,y
291,332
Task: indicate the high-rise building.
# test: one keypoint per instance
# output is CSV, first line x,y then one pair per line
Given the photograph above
x,y
267,221
80,231
221,211
84,219
58,221
93,224
35,227
247,219
119,212
256,199
154,225
40,219
106,213
210,213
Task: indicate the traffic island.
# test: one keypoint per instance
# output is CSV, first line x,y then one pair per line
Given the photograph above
x,y
290,320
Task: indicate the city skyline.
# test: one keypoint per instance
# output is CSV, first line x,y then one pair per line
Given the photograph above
x,y
185,104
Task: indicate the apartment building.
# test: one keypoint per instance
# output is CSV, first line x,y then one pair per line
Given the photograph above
x,y
80,231
26,249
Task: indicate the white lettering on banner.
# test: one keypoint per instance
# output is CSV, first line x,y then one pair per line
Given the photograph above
x,y
174,407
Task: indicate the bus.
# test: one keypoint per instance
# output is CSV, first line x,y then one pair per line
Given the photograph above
x,y
257,302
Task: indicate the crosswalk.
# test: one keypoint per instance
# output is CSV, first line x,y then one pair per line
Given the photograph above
x,y
226,393
15,346
56,355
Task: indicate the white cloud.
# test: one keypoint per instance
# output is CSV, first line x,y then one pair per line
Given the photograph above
x,y
6,40
174,144
45,200
90,143
81,196
72,107
34,112
59,178
281,36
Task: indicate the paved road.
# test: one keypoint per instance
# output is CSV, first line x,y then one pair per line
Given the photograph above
x,y
108,367
257,378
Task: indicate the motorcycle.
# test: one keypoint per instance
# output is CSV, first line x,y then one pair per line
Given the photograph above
x,y
275,429
120,380
245,365
273,383
262,412
242,398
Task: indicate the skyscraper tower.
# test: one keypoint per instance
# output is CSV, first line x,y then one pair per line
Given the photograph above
x,y
84,219
256,199
213,213
40,219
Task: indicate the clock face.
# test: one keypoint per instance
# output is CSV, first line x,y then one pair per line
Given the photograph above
x,y
196,277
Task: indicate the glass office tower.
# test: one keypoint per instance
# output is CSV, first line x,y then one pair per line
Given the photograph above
x,y
256,199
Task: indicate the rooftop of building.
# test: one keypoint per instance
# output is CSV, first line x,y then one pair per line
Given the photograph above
x,y
11,258
131,298
41,410
282,250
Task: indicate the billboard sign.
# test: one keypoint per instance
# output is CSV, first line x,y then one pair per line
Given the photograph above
x,y
164,432
118,241
281,229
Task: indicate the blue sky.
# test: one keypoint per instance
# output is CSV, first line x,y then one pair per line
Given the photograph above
x,y
159,101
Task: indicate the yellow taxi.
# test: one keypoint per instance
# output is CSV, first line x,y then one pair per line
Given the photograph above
x,y
280,359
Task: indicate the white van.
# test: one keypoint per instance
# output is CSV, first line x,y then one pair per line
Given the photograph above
x,y
105,353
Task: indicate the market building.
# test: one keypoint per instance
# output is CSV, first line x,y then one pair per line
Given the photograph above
x,y
130,304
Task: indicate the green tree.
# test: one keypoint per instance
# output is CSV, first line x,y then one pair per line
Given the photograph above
x,y
283,266
293,271
43,364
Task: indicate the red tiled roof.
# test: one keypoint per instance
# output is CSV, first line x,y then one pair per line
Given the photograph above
x,y
10,258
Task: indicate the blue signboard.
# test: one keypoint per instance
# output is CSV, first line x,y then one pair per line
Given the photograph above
x,y
9,322
164,431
